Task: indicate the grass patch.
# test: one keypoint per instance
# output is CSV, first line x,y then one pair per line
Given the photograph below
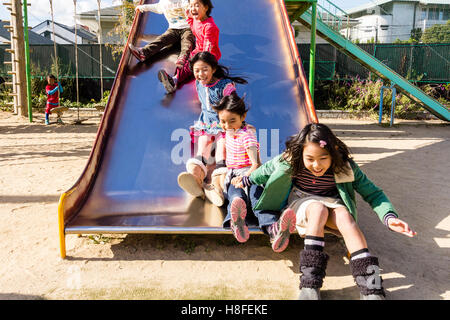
x,y
258,290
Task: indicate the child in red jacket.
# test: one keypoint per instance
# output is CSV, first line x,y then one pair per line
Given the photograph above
x,y
53,89
206,35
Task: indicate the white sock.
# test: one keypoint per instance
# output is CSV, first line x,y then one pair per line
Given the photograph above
x,y
363,253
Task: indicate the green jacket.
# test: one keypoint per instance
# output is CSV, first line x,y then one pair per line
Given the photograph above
x,y
277,180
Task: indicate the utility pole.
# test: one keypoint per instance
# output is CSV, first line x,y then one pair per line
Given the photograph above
x,y
376,31
18,51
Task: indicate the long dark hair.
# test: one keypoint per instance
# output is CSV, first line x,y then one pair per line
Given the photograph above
x,y
317,133
232,103
222,72
207,3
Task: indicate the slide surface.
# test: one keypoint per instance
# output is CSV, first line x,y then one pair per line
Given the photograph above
x,y
130,182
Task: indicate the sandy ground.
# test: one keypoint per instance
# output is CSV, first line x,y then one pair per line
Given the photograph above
x,y
410,161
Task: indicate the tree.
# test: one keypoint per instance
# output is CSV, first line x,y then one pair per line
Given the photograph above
x,y
123,26
438,33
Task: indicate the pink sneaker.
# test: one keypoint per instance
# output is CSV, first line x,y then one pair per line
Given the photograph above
x,y
280,231
238,212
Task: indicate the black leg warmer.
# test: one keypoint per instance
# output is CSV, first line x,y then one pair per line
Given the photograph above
x,y
366,273
312,267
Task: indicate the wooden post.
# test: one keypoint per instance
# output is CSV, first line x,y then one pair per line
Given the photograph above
x,y
76,58
19,70
99,34
11,50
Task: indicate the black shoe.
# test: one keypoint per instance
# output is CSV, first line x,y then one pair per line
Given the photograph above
x,y
167,81
137,52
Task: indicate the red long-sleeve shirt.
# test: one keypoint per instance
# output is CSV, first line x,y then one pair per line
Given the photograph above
x,y
206,35
52,94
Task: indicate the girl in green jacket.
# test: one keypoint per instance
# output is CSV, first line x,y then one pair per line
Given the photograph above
x,y
316,177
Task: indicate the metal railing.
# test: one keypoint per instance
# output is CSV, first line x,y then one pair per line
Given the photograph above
x,y
333,16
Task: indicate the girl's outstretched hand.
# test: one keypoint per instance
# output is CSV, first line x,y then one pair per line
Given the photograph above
x,y
237,182
400,226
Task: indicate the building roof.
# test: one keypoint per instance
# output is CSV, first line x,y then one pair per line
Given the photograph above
x,y
33,37
374,3
80,31
109,12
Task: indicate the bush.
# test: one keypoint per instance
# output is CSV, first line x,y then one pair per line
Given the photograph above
x,y
364,95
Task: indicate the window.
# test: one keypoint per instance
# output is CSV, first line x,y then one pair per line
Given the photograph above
x,y
423,14
433,14
446,14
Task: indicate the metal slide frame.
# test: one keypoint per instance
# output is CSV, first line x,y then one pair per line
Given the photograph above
x,y
73,201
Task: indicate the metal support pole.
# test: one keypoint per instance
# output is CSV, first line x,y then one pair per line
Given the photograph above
x,y
27,59
312,49
394,93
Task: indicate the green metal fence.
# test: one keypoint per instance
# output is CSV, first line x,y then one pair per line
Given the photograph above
x,y
425,63
42,61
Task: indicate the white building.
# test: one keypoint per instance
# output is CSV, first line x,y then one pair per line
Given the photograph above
x,y
109,17
388,20
64,34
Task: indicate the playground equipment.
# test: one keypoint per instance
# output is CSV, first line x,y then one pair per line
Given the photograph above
x,y
329,21
59,112
130,182
18,51
380,116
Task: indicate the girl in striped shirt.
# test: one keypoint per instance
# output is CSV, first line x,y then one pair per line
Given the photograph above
x,y
242,158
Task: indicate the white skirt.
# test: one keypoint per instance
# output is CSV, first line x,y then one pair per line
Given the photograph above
x,y
299,200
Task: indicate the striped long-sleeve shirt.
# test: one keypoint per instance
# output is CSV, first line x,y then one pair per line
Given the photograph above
x,y
237,144
321,186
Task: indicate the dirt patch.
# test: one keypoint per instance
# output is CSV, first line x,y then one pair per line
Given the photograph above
x,y
410,161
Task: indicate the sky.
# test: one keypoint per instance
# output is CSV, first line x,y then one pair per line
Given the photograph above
x,y
63,9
